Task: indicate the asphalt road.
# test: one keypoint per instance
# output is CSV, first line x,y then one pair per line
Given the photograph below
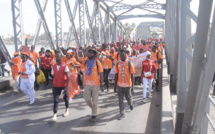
x,y
18,117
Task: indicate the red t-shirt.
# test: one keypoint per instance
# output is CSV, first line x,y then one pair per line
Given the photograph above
x,y
147,65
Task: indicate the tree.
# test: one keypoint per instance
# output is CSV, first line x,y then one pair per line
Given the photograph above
x,y
155,34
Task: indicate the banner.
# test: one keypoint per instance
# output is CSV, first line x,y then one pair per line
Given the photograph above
x,y
24,49
137,62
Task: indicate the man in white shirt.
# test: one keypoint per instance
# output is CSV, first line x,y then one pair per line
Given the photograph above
x,y
26,71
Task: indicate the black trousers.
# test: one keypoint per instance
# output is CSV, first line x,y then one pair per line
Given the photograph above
x,y
106,73
157,78
47,73
35,82
3,70
56,94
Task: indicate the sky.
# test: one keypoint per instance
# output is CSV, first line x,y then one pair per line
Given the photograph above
x,y
30,16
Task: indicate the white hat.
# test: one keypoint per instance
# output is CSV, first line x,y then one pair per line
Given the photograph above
x,y
148,53
70,51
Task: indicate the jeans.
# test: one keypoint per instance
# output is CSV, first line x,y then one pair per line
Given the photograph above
x,y
56,94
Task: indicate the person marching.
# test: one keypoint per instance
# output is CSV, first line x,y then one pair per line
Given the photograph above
x,y
35,57
148,69
60,82
47,69
15,64
26,71
107,65
73,86
93,69
157,57
124,70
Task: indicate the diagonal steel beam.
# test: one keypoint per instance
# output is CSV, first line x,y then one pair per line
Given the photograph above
x,y
72,22
45,26
39,23
70,28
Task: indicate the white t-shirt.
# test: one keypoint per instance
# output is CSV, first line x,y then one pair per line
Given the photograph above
x,y
58,67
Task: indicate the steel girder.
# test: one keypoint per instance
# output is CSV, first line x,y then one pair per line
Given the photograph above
x,y
107,27
199,81
97,26
71,19
17,23
184,58
69,36
113,16
103,36
39,23
142,6
139,16
5,52
40,12
58,23
82,22
90,22
92,32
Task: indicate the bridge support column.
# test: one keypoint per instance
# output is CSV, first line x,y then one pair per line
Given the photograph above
x,y
58,23
82,30
184,40
202,72
18,29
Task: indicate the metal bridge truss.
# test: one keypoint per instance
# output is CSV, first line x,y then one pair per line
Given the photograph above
x,y
144,29
191,73
102,28
17,23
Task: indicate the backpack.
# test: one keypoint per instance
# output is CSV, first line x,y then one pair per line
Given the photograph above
x,y
129,65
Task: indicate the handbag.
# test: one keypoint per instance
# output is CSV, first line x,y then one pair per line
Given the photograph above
x,y
148,74
80,78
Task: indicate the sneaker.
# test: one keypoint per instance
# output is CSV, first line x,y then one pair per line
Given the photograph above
x,y
31,102
143,99
16,90
131,107
54,118
93,119
66,113
121,116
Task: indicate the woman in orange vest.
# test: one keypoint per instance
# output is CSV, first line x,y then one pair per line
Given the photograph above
x,y
26,71
73,86
15,64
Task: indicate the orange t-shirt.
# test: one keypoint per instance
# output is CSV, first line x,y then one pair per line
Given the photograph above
x,y
15,68
127,74
82,59
93,79
53,61
107,62
64,59
117,56
154,57
71,68
35,56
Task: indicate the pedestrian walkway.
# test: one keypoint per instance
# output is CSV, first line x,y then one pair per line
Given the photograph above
x,y
19,117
